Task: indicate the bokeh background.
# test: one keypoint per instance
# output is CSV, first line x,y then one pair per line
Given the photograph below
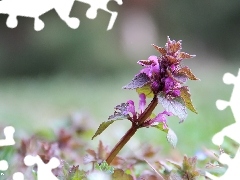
x,y
49,75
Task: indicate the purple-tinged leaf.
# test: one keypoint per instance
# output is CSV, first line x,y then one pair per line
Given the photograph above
x,y
172,138
172,59
139,81
119,174
187,71
162,50
121,112
181,78
148,62
174,105
117,116
183,55
172,46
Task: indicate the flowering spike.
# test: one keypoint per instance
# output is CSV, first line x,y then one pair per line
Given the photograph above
x,y
162,79
173,46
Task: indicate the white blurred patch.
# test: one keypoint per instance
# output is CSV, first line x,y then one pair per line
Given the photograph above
x,y
98,175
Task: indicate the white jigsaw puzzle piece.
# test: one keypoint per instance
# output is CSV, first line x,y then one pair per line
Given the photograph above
x,y
18,176
233,167
44,171
36,8
232,131
101,4
3,165
8,133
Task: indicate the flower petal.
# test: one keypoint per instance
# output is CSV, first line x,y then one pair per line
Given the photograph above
x,y
142,101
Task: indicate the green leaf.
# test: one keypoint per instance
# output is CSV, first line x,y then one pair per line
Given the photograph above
x,y
120,175
175,165
160,126
172,138
186,96
175,105
152,116
102,127
104,167
79,175
139,81
146,89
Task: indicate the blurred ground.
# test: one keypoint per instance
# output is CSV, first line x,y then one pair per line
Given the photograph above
x,y
47,75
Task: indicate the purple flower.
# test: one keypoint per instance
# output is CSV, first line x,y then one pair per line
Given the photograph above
x,y
151,66
169,84
142,102
172,87
160,118
131,108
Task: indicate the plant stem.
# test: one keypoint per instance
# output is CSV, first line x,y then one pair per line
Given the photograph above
x,y
121,143
147,112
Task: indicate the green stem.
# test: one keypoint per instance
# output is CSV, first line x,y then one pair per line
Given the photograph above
x,y
148,111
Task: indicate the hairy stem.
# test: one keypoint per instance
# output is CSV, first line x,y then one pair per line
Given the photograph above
x,y
147,112
121,143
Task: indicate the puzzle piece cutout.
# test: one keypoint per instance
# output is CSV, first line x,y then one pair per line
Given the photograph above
x,y
233,167
8,133
3,165
101,4
231,131
36,8
8,141
44,171
18,176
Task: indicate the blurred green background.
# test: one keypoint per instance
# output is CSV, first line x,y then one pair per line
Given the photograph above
x,y
47,75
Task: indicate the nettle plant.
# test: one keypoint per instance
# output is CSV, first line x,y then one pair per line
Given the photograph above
x,y
163,79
